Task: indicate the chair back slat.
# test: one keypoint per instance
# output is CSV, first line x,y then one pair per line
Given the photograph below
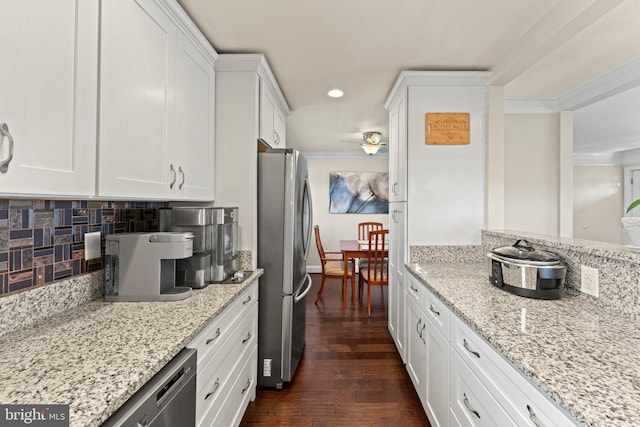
x,y
316,230
365,227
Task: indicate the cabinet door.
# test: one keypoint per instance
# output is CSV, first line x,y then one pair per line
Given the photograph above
x,y
193,149
437,377
48,86
267,112
137,74
416,347
279,129
398,151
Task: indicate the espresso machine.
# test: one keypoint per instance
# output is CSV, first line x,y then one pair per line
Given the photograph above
x,y
142,266
194,271
215,252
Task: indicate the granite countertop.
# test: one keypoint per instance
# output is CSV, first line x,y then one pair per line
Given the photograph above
x,y
97,355
585,358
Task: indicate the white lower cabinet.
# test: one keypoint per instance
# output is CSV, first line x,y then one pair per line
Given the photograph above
x,y
227,363
460,378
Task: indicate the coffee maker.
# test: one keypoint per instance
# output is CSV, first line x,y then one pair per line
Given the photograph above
x,y
142,266
215,248
194,271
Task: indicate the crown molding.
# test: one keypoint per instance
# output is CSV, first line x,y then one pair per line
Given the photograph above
x,y
611,83
597,159
434,78
343,154
256,63
188,27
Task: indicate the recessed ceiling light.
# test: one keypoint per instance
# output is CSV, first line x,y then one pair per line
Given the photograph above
x,y
335,93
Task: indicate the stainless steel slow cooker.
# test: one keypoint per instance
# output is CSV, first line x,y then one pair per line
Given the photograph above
x,y
525,271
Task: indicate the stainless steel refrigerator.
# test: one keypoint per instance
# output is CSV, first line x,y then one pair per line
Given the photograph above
x,y
284,237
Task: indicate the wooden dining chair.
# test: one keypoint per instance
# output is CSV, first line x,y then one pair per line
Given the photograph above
x,y
332,265
376,272
365,227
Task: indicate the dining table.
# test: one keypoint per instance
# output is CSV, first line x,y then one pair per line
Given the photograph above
x,y
352,249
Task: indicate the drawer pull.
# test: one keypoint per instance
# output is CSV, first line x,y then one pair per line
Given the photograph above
x,y
247,386
214,338
245,302
533,417
468,405
466,346
413,289
211,393
247,338
434,310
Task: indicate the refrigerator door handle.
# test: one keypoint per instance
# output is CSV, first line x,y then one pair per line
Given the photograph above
x,y
307,188
304,293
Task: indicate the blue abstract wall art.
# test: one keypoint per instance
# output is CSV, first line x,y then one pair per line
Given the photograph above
x,y
359,192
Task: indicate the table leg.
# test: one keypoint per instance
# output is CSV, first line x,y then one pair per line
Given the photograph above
x,y
344,282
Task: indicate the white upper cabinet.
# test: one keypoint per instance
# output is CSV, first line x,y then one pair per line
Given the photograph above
x,y
272,117
156,104
48,90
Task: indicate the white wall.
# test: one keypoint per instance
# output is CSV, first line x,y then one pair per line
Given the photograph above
x,y
598,202
532,172
336,227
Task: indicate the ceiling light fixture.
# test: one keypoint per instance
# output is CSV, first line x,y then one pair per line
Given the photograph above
x,y
372,142
335,93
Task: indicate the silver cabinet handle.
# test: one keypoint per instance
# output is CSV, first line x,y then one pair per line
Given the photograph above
x,y
534,419
466,346
393,188
181,173
4,133
214,338
247,386
247,338
413,289
276,138
246,301
212,392
422,332
468,405
433,310
418,327
172,169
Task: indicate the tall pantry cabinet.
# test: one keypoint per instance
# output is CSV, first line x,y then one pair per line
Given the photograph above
x,y
249,106
437,199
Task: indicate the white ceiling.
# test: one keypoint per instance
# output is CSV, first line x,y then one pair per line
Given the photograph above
x,y
541,48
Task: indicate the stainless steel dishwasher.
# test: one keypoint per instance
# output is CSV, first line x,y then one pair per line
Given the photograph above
x,y
167,400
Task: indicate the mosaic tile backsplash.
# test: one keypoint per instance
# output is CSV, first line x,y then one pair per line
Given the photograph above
x,y
42,241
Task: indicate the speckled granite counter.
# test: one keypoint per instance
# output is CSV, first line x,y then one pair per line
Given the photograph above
x,y
584,357
95,356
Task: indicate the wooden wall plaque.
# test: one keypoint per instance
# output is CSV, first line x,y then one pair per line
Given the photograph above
x,y
446,128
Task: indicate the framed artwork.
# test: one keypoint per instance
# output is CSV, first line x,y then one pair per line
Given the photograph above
x,y
359,192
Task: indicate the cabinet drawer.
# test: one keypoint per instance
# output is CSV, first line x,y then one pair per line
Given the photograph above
x,y
437,312
236,393
470,401
211,338
415,291
523,401
214,376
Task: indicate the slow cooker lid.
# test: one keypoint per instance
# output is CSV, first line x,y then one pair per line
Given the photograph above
x,y
523,250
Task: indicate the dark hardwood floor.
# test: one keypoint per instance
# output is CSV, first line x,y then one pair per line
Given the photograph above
x,y
350,373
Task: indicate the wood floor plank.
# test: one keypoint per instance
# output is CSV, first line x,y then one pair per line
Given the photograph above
x,y
350,373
